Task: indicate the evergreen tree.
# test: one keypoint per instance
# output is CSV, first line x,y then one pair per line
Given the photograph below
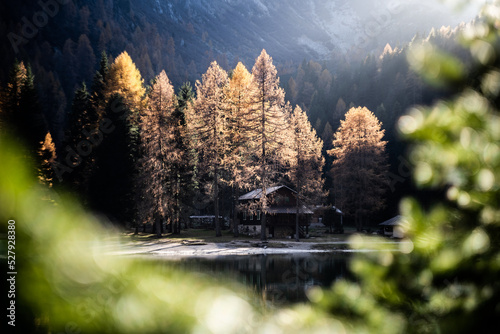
x,y
32,125
359,169
327,136
208,125
183,166
85,59
184,98
80,143
112,185
98,89
11,99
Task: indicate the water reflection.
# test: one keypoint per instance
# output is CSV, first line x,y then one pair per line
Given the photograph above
x,y
279,279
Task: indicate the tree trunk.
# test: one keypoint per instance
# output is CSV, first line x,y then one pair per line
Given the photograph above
x,y
236,230
170,227
178,205
174,221
158,226
216,203
263,235
297,219
175,211
263,232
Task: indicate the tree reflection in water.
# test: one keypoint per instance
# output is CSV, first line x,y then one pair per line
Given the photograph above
x,y
278,279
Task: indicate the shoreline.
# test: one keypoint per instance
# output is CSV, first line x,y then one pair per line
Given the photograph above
x,y
185,249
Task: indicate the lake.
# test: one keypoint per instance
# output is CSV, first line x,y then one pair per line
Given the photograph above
x,y
279,279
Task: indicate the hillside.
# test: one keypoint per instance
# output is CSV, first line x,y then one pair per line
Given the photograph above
x,y
293,29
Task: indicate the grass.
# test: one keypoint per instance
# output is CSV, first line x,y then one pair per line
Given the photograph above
x,y
329,247
192,236
277,245
197,236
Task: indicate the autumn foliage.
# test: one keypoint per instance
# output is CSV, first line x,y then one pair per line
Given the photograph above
x,y
359,168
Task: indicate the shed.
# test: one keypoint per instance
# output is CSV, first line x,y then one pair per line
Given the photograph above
x,y
390,227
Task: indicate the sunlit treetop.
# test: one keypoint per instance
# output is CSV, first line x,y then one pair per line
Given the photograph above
x,y
125,79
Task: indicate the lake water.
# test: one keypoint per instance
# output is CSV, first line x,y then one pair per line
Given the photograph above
x,y
277,279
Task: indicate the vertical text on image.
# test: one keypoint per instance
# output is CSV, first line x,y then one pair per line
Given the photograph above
x,y
11,272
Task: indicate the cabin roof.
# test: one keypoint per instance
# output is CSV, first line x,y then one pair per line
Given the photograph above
x,y
257,193
337,210
395,221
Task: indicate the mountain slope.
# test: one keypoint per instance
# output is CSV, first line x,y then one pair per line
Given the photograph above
x,y
293,29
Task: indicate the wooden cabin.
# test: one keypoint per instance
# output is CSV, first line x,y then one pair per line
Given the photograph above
x,y
280,219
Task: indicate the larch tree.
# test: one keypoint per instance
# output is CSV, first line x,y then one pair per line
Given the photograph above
x,y
207,122
157,178
239,100
46,159
359,169
266,125
126,80
306,163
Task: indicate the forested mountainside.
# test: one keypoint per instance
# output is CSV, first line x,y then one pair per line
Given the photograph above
x,y
184,36
330,56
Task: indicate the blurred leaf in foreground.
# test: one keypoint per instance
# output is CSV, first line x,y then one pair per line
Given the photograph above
x,y
445,277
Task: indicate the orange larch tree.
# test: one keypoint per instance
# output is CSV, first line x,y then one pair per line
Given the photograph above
x,y
266,130
239,104
207,123
360,167
158,153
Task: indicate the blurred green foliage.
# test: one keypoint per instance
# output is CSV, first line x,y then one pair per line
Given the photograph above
x,y
444,279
